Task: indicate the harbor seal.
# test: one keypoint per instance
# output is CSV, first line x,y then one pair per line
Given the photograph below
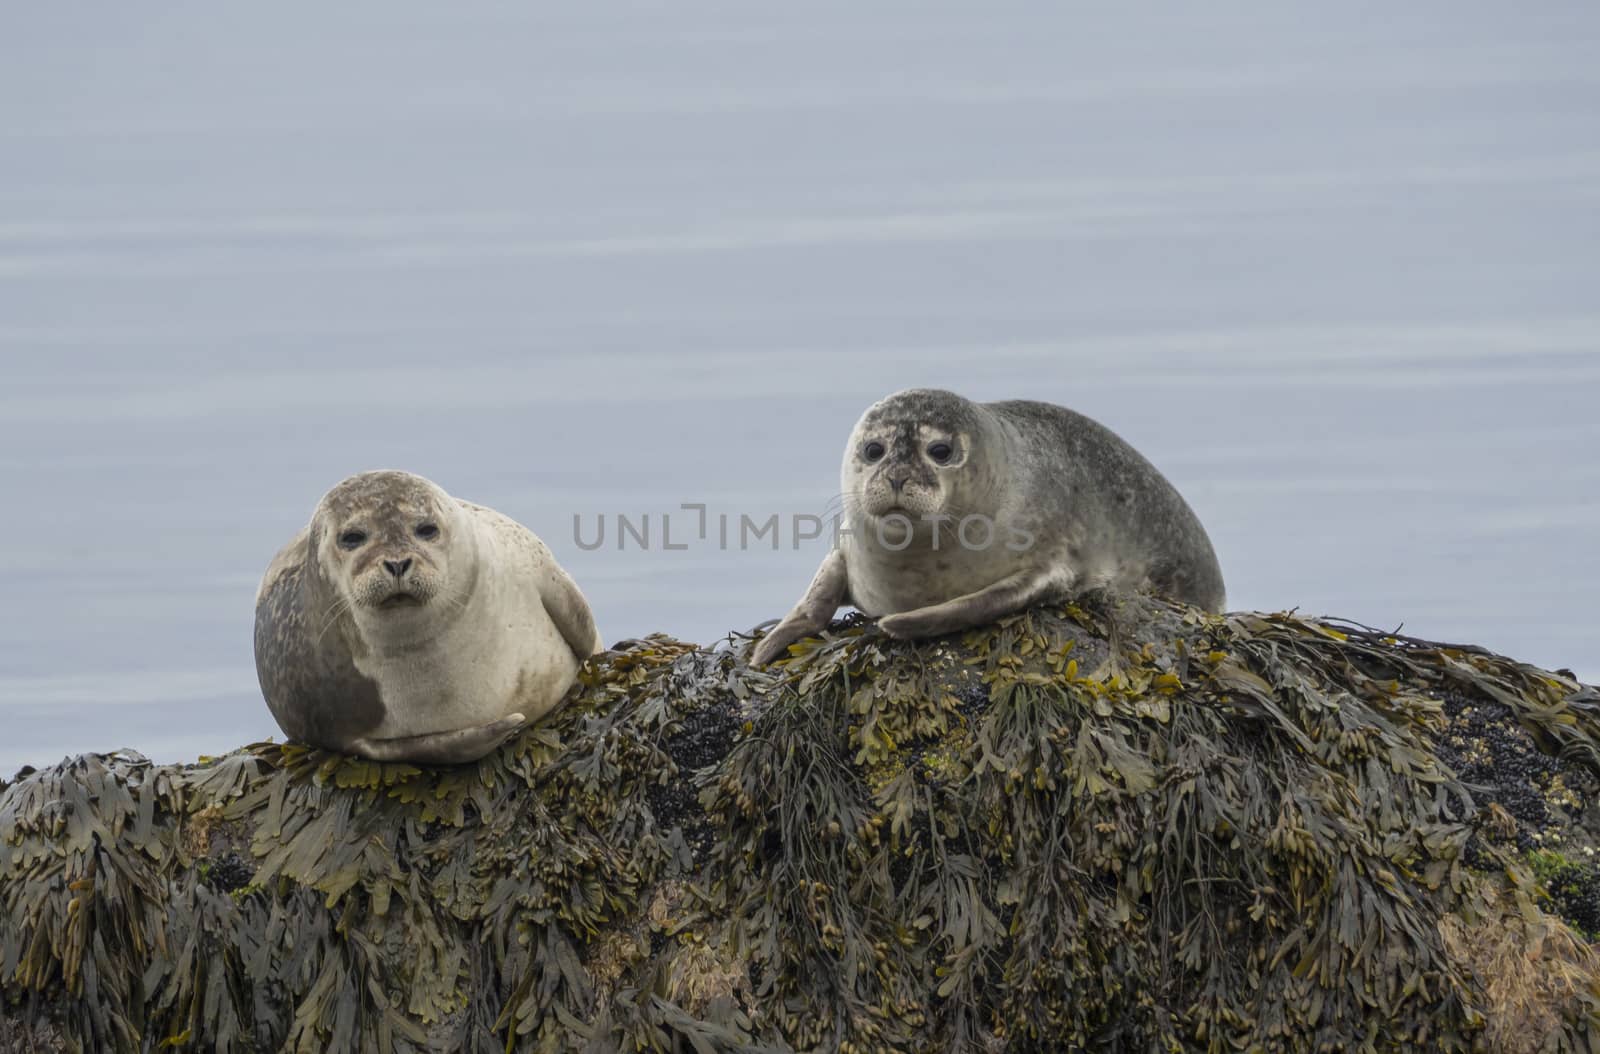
x,y
404,625
957,512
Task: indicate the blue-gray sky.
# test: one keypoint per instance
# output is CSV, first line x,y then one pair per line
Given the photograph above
x,y
1332,269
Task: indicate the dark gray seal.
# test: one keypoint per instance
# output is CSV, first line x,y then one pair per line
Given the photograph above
x,y
404,625
956,513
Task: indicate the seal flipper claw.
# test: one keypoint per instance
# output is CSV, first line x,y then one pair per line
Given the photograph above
x,y
458,747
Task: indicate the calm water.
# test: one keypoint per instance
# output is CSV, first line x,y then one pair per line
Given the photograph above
x,y
1334,272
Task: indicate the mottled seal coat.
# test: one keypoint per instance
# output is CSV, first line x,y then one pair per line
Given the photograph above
x,y
956,513
404,625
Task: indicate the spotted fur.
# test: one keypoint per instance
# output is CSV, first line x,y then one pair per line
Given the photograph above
x,y
403,624
1069,507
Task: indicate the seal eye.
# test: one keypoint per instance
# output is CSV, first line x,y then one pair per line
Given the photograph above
x,y
352,539
872,451
940,452
427,532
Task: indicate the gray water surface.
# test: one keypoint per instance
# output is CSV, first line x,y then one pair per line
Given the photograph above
x,y
1333,271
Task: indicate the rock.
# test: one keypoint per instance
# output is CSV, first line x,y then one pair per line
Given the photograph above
x,y
1134,826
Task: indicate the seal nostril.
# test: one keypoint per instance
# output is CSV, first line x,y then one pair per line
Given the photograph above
x,y
898,483
397,567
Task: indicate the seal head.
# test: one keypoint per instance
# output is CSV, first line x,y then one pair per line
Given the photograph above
x,y
385,546
915,461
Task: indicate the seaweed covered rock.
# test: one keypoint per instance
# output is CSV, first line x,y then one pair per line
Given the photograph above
x,y
1135,827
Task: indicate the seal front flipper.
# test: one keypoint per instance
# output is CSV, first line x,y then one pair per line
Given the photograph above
x,y
567,608
829,589
456,747
1012,593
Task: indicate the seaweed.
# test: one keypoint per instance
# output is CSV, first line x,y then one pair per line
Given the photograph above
x,y
1119,825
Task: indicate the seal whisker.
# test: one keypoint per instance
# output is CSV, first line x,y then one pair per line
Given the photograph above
x,y
340,606
838,503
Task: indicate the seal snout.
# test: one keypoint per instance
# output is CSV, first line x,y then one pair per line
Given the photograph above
x,y
402,583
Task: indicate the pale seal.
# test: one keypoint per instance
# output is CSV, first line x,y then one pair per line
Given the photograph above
x,y
404,625
956,513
